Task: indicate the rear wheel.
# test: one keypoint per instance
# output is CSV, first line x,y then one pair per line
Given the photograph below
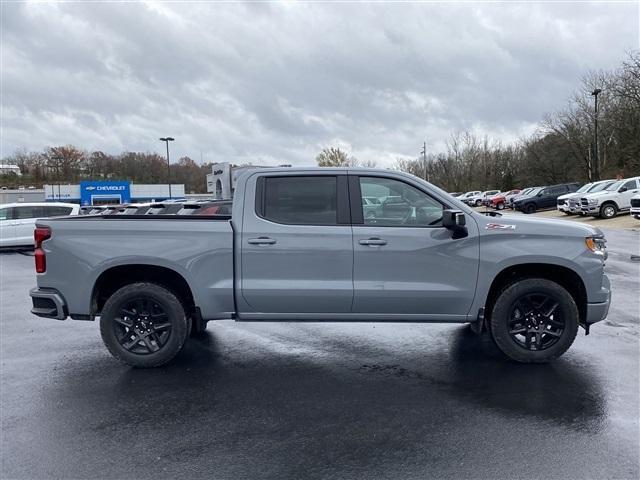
x,y
608,210
534,320
143,325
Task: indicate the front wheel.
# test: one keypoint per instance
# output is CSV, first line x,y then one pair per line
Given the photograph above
x,y
608,210
143,325
478,203
500,206
530,208
534,320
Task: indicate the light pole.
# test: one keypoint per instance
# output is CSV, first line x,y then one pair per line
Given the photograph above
x,y
596,162
424,161
166,140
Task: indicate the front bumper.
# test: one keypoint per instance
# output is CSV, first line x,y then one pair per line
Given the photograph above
x,y
589,209
48,303
599,311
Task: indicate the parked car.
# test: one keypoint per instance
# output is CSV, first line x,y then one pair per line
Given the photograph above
x,y
545,197
298,247
570,202
219,207
635,206
486,201
164,208
17,220
456,194
477,200
499,201
466,196
524,193
609,202
134,209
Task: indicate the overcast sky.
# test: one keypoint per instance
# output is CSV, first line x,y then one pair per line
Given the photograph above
x,y
275,83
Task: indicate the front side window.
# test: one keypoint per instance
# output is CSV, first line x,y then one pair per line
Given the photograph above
x,y
5,213
399,204
301,200
630,185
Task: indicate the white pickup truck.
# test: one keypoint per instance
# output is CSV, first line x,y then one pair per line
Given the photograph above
x,y
609,202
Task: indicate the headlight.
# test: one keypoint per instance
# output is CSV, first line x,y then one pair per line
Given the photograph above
x,y
597,245
593,201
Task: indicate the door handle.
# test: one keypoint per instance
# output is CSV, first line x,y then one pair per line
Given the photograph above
x,y
373,242
261,241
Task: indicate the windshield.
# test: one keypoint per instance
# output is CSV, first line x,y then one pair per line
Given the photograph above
x,y
535,191
585,188
599,187
614,186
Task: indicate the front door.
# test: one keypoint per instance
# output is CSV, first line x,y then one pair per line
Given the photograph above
x,y
406,264
297,254
7,227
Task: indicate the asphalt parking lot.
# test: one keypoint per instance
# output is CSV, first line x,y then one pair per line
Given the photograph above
x,y
287,400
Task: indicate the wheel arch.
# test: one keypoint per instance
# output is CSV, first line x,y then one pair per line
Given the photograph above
x,y
564,276
118,276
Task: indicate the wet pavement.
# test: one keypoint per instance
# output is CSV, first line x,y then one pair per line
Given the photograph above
x,y
287,400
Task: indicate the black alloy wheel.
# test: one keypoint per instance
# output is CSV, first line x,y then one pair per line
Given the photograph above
x,y
142,326
535,322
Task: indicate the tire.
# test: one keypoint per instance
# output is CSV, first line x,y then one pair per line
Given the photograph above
x,y
478,203
554,341
500,206
530,208
120,330
608,210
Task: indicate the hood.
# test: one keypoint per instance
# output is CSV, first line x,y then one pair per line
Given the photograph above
x,y
601,193
527,225
567,196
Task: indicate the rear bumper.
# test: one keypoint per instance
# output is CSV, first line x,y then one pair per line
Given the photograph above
x,y
598,311
48,303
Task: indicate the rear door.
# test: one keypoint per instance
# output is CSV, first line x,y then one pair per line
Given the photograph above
x,y
296,246
25,221
406,264
7,227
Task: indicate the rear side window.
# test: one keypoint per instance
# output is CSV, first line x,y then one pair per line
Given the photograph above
x,y
56,211
301,200
5,213
21,213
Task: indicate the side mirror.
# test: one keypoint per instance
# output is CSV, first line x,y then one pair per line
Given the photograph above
x,y
623,189
453,220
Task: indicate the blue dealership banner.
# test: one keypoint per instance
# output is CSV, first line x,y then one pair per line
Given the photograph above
x,y
95,192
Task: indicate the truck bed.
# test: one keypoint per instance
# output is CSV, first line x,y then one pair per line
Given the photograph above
x,y
82,249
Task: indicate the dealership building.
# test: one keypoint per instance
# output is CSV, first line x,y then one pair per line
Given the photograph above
x,y
111,192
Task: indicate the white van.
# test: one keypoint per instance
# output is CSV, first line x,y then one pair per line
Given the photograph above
x,y
18,220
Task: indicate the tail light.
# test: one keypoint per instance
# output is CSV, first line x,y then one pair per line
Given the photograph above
x,y
40,234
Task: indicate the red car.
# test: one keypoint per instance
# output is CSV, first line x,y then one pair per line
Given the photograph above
x,y
500,201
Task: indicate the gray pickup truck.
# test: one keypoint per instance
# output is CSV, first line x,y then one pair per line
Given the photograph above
x,y
302,245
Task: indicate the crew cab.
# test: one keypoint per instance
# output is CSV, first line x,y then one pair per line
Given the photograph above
x,y
299,246
479,199
609,202
570,202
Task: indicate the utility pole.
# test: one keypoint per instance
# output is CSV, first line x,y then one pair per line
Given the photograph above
x,y
424,161
596,160
166,140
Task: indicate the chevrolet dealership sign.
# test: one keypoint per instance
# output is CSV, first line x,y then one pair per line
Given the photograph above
x,y
96,192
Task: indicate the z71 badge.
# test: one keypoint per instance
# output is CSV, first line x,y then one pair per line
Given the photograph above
x,y
499,226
